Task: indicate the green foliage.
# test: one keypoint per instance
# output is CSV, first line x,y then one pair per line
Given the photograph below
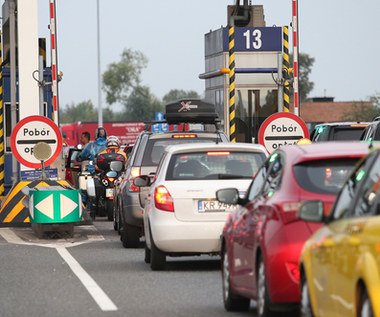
x,y
123,77
141,105
305,63
84,111
363,111
177,94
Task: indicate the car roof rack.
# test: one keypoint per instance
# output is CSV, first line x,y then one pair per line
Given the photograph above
x,y
190,111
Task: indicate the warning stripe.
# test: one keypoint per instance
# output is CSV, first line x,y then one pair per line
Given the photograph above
x,y
13,209
231,37
286,66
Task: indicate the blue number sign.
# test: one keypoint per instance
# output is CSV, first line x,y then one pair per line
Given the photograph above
x,y
252,39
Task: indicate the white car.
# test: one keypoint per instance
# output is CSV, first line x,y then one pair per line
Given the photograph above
x,y
181,214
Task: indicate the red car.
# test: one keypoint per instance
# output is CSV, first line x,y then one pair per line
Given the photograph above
x,y
262,240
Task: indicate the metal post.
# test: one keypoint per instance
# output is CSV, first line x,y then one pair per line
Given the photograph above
x,y
41,79
54,66
286,66
231,38
12,49
100,109
295,56
2,159
280,99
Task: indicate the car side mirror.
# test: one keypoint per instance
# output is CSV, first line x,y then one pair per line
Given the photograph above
x,y
228,196
142,181
312,211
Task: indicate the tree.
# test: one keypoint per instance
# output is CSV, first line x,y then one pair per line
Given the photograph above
x,y
84,111
363,111
305,63
123,77
141,105
176,94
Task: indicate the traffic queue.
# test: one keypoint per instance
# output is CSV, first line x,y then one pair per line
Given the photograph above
x,y
296,229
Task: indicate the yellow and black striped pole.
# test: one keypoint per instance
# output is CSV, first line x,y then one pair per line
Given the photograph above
x,y
2,190
286,65
231,47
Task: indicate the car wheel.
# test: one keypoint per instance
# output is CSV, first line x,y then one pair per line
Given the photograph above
x,y
306,310
263,300
232,301
130,236
365,306
147,254
157,257
109,209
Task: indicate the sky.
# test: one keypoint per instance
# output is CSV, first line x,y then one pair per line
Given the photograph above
x,y
342,35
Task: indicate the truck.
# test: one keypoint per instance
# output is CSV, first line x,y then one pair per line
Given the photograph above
x,y
126,131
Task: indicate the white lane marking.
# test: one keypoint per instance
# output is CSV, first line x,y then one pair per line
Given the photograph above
x,y
99,296
89,283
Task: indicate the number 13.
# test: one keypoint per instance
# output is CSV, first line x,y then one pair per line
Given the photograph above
x,y
256,39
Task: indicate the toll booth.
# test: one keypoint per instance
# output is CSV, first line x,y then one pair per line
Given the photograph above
x,y
257,51
33,79
47,111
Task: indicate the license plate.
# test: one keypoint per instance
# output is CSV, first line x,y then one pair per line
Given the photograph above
x,y
109,192
214,206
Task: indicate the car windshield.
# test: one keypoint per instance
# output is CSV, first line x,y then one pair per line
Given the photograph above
x,y
323,176
155,148
214,165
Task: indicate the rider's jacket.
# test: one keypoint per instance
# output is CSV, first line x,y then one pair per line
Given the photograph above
x,y
104,158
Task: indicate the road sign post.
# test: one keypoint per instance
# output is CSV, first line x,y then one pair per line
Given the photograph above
x,y
282,128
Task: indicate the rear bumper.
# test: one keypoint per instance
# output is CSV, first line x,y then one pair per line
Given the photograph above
x,y
173,236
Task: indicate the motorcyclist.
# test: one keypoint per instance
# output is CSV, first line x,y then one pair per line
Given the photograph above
x,y
111,153
99,145
103,161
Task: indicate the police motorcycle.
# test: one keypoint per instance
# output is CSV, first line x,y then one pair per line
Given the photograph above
x,y
101,187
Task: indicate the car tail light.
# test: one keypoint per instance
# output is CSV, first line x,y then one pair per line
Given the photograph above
x,y
293,270
135,171
289,212
182,136
162,199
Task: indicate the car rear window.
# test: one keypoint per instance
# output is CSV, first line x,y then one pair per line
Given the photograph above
x,y
338,133
214,165
155,148
323,176
347,134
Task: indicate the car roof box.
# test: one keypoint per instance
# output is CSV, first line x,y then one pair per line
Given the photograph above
x,y
191,111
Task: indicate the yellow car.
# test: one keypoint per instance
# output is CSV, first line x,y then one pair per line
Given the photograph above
x,y
340,263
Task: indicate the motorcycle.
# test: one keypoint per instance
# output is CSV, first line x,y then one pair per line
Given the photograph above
x,y
100,190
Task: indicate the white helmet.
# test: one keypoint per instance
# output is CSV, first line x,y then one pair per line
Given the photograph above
x,y
113,141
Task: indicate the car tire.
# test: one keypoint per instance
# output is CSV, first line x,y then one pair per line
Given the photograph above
x,y
232,301
130,236
157,257
147,254
263,299
365,305
305,304
108,206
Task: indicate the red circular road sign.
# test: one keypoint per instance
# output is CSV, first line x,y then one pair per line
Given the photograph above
x,y
282,128
30,131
